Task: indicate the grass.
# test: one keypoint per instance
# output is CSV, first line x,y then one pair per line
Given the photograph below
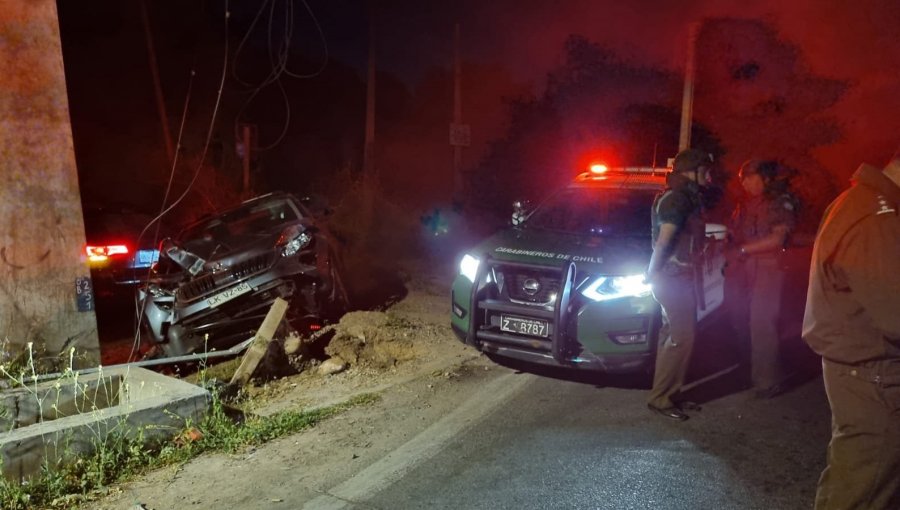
x,y
122,456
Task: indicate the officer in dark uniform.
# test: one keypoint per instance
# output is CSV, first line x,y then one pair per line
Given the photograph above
x,y
678,237
853,321
761,225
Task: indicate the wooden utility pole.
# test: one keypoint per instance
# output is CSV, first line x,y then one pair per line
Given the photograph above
x,y
369,150
157,87
687,101
460,134
246,161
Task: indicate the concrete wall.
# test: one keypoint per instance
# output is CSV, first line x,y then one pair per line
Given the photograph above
x,y
41,226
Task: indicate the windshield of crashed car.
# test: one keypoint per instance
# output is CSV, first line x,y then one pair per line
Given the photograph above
x,y
596,211
257,218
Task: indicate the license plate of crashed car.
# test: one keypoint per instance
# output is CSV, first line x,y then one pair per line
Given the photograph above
x,y
228,295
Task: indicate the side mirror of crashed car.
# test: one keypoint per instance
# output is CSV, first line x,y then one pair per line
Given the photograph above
x,y
187,260
520,212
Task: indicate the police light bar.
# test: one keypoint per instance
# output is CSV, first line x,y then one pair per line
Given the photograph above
x,y
601,172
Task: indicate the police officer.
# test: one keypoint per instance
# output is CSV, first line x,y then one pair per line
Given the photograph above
x,y
678,236
761,225
853,321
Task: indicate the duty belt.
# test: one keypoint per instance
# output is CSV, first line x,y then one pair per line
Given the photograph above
x,y
877,372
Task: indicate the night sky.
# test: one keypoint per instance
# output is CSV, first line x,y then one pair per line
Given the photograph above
x,y
509,49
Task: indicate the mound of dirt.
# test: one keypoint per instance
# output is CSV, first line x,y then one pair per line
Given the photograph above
x,y
373,339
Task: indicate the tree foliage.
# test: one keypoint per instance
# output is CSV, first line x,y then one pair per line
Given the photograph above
x,y
759,97
596,106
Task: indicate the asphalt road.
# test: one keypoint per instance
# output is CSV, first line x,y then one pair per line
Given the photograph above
x,y
524,441
547,440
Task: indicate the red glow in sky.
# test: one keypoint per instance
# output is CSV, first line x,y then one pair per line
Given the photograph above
x,y
853,41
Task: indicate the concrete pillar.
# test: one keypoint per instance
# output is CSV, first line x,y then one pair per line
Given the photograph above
x,y
41,226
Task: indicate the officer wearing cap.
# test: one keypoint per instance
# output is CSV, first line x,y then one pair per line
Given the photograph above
x,y
761,225
678,236
852,320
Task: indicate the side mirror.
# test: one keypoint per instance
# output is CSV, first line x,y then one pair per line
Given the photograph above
x,y
520,212
716,231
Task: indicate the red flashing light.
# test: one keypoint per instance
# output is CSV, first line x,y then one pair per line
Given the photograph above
x,y
315,327
101,253
598,169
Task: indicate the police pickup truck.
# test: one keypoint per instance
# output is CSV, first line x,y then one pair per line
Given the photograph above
x,y
564,285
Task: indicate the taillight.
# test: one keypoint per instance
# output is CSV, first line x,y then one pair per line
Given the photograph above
x,y
101,253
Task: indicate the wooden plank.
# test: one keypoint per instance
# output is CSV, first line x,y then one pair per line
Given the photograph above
x,y
260,345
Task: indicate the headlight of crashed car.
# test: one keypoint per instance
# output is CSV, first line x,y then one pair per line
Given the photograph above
x,y
293,240
468,267
605,288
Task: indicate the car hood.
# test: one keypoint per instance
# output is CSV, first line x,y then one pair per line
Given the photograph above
x,y
232,250
591,254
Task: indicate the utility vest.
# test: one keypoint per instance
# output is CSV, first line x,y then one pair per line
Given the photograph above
x,y
688,242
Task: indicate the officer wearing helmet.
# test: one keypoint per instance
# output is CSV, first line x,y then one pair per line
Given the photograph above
x,y
678,237
761,226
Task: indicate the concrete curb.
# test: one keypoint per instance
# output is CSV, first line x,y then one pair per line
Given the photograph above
x,y
144,402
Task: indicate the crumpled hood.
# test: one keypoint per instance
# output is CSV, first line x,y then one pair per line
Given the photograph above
x,y
592,254
232,250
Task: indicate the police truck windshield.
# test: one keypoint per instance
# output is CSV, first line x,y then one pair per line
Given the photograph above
x,y
596,211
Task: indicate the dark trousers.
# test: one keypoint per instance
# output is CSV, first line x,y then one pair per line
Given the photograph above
x,y
675,294
863,469
754,291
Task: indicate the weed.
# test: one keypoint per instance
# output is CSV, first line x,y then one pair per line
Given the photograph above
x,y
122,453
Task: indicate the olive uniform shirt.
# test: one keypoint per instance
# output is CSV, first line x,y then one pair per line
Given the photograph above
x,y
853,303
758,217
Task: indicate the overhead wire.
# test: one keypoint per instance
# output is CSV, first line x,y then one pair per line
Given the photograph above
x,y
165,210
278,53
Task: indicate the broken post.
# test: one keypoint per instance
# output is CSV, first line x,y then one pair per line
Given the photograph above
x,y
260,345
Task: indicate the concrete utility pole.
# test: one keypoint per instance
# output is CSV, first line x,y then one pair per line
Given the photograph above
x,y
45,296
687,101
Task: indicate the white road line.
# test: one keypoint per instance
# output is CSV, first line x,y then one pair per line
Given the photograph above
x,y
425,445
710,377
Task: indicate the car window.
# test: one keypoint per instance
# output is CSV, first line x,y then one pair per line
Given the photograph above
x,y
247,220
596,211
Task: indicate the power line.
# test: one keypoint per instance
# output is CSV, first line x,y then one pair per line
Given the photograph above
x,y
278,53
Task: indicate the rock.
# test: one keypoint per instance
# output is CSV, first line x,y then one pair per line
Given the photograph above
x,y
332,366
292,343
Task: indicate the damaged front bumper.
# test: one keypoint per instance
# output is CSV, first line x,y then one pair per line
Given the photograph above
x,y
219,306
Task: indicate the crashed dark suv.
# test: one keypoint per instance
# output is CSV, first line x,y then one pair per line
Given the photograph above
x,y
217,279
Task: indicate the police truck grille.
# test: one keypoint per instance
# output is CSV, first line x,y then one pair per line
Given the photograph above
x,y
534,287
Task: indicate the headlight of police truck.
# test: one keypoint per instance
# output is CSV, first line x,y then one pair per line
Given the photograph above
x,y
605,288
468,267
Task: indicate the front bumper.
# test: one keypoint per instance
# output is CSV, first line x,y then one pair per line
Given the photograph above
x,y
172,319
616,336
620,363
